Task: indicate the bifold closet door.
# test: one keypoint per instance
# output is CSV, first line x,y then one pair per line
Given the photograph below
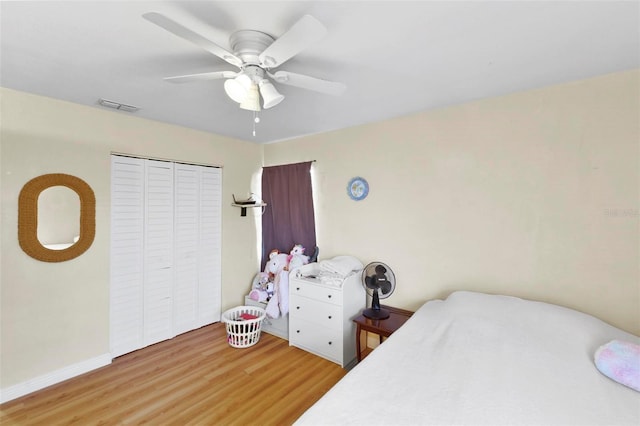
x,y
165,250
210,247
158,252
197,246
127,254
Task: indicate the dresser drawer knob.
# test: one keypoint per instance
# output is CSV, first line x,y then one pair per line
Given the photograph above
x,y
329,316
297,307
329,296
329,342
297,288
297,331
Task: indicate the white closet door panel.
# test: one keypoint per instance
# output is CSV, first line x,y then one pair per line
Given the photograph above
x,y
187,223
127,204
209,250
158,251
157,309
165,250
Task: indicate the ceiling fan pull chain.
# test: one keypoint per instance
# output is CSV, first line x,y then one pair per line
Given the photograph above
x,y
256,120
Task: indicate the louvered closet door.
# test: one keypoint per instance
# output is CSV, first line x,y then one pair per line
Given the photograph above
x,y
127,260
187,226
210,249
158,251
197,246
165,250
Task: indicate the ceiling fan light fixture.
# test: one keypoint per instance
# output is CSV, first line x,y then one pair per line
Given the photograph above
x,y
238,88
270,96
252,101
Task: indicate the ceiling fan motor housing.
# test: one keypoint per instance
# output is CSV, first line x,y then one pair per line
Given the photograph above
x,y
255,53
249,44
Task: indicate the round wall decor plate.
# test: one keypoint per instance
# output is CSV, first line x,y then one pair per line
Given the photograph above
x,y
358,188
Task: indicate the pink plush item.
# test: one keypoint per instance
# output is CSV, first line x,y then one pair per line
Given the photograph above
x,y
620,361
258,295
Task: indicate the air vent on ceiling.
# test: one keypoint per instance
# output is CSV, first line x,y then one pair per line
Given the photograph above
x,y
118,105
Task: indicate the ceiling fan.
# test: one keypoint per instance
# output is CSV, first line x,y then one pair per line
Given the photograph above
x,y
256,54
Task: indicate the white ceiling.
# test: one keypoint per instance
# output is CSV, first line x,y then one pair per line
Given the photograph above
x,y
396,57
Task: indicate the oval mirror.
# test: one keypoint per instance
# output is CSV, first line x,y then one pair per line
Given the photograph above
x,y
58,217
32,236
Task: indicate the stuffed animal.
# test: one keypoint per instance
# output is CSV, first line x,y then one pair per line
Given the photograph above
x,y
260,288
270,290
277,262
275,267
297,257
273,253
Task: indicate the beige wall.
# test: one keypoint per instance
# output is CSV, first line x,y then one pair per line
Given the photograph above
x,y
54,315
533,194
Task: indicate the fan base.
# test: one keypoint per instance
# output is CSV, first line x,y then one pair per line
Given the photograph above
x,y
376,313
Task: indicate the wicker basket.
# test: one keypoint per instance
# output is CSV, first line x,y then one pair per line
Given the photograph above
x,y
242,333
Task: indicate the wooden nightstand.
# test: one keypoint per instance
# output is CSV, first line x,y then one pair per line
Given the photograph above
x,y
383,328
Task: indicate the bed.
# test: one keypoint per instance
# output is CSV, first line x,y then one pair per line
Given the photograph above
x,y
479,359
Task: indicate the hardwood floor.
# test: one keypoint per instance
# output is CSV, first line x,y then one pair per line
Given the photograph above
x,y
193,379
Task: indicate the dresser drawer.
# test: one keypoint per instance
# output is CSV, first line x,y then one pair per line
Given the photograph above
x,y
324,294
321,313
317,339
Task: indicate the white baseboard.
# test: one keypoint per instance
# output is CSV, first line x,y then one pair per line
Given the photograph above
x,y
41,382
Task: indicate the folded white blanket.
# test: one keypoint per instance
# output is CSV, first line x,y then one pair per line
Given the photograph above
x,y
341,265
331,278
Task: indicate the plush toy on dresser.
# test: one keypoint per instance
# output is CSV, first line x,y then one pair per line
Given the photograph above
x,y
297,258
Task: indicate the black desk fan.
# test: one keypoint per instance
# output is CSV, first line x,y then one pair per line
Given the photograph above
x,y
379,282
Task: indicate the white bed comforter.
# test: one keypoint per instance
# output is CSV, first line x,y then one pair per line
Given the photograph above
x,y
477,359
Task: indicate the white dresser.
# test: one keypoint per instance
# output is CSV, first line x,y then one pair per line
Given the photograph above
x,y
320,316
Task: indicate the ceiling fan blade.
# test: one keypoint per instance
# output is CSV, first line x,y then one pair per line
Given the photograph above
x,y
309,83
303,33
201,77
185,33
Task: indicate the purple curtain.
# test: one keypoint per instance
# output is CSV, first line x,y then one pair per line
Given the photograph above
x,y
288,218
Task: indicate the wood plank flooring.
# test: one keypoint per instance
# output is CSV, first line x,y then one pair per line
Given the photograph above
x,y
193,379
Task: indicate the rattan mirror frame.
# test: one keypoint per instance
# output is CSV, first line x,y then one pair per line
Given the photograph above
x,y
28,217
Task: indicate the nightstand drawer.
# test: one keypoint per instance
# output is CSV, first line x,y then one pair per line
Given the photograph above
x,y
317,339
323,294
323,314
